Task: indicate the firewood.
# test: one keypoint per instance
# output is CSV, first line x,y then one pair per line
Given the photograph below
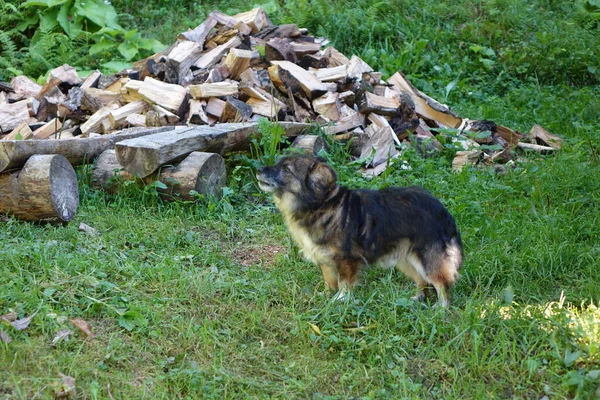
x,y
130,92
14,153
310,84
467,157
335,57
302,110
330,74
215,107
165,116
65,77
426,143
345,124
50,104
231,22
50,128
11,115
201,172
44,190
92,80
281,31
272,108
238,60
310,144
95,122
94,99
116,85
196,114
314,61
220,89
199,33
235,111
3,99
382,123
21,132
277,49
167,95
328,106
142,156
256,19
182,57
405,119
215,55
425,106
371,103
23,88
358,67
536,147
118,117
303,48
380,142
539,134
138,120
348,97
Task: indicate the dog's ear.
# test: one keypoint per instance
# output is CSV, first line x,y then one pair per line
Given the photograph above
x,y
322,176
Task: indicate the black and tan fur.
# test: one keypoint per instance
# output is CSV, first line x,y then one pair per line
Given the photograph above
x,y
343,230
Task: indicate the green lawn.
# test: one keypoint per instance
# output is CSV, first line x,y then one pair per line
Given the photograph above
x,y
212,300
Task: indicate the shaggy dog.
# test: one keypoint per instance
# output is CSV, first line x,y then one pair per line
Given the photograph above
x,y
342,230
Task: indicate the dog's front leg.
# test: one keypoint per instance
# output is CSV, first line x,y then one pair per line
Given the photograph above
x,y
347,277
330,275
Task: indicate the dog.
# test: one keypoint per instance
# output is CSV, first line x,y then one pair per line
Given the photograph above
x,y
342,230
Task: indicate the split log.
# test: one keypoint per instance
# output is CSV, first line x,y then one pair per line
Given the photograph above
x,y
235,111
358,67
14,153
380,144
167,95
96,122
49,129
215,55
199,33
21,132
92,80
118,117
231,22
238,60
24,88
44,190
201,172
371,103
310,144
425,106
347,123
335,57
220,89
11,115
256,19
328,106
142,156
183,55
310,84
94,99
330,74
215,107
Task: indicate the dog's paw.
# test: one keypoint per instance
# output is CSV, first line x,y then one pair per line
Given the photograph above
x,y
341,295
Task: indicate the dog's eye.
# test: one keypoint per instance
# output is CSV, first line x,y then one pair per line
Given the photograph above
x,y
286,168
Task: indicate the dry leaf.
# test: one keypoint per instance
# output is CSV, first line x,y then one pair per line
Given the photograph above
x,y
83,326
10,317
67,388
62,335
21,324
4,337
315,329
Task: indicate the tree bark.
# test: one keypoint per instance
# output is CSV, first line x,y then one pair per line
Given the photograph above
x,y
44,190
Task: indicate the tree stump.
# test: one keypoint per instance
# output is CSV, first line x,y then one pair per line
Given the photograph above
x,y
44,190
202,172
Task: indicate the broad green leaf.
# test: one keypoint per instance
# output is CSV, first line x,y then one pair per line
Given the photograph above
x,y
150,44
115,66
102,45
48,20
71,24
128,50
27,22
99,12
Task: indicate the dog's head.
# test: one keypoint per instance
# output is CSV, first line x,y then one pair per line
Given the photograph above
x,y
299,182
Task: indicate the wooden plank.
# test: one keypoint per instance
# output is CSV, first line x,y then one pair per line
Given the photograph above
x,y
142,156
14,153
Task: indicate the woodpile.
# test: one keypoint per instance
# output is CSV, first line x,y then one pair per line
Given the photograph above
x,y
234,70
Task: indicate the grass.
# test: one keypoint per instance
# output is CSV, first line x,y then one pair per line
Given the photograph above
x,y
212,300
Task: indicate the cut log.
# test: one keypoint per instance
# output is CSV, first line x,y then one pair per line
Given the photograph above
x,y
425,106
166,117
310,144
199,33
21,132
462,158
328,106
427,145
278,49
167,95
358,67
136,120
130,92
11,115
238,60
95,122
215,55
202,173
330,74
235,111
267,108
92,80
539,134
142,156
371,103
24,88
14,153
305,48
94,99
196,114
49,129
335,57
256,19
346,124
220,89
118,117
44,190
182,57
310,84
215,107
231,22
